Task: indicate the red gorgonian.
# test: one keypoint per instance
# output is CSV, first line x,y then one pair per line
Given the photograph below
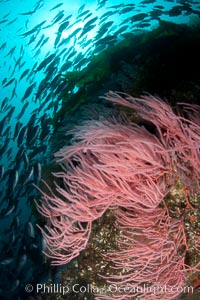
x,y
119,165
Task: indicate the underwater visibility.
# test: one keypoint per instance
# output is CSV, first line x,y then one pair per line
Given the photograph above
x,y
99,149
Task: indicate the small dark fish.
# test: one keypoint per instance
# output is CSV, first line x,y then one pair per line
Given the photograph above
x,y
75,32
22,111
37,173
46,61
22,262
3,123
125,10
42,88
155,14
58,17
61,88
30,230
84,13
56,6
39,42
63,26
67,18
14,90
46,100
3,21
17,128
4,146
3,46
43,246
7,131
121,29
7,261
28,91
15,222
38,5
175,11
22,135
32,134
81,63
17,64
43,119
27,176
53,64
147,1
86,17
103,29
50,72
37,150
8,153
107,40
1,171
12,21
24,74
32,39
4,102
34,29
9,211
66,66
27,13
86,30
143,25
101,4
10,53
138,17
21,65
90,22
64,50
78,57
9,82
115,6
13,180
108,14
45,133
19,157
72,54
81,8
21,50
6,15
55,81
159,6
26,160
44,42
57,40
4,81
